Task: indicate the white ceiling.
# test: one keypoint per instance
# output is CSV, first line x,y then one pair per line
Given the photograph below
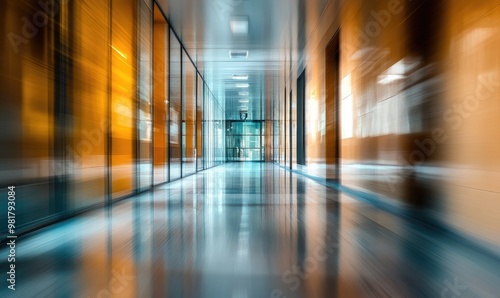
x,y
204,28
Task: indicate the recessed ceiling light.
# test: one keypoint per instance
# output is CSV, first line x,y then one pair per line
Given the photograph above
x,y
240,77
242,85
240,54
239,25
243,100
243,93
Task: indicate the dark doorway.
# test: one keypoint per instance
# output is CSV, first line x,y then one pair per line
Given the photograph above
x,y
332,129
301,119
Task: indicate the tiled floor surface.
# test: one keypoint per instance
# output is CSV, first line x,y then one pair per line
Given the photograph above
x,y
246,230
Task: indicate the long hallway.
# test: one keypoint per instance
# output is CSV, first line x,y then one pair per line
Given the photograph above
x,y
250,148
247,230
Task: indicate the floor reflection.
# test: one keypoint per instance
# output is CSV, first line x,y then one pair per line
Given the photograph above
x,y
247,230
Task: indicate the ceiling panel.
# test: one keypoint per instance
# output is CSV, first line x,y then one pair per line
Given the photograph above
x,y
204,26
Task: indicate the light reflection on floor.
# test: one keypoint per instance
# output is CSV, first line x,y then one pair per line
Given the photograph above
x,y
247,230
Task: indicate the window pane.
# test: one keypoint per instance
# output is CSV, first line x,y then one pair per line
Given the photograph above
x,y
123,96
188,116
27,118
175,108
145,102
90,104
243,140
199,124
161,103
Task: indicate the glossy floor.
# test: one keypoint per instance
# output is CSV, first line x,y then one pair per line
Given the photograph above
x,y
247,230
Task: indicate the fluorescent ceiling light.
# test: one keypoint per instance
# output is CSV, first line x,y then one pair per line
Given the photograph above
x,y
243,100
242,85
239,25
243,93
241,54
240,77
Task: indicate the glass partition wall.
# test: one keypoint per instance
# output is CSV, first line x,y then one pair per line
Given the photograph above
x,y
175,117
188,116
214,131
161,105
145,101
244,140
199,123
123,96
87,169
87,123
